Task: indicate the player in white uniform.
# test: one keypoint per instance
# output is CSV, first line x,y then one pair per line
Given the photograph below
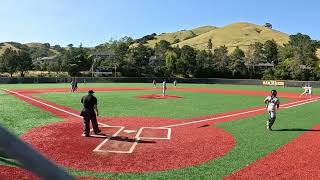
x,y
307,91
164,88
273,104
154,83
175,83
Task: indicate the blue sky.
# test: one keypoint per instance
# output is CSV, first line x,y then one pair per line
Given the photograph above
x,y
93,22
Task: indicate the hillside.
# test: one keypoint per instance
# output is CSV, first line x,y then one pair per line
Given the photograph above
x,y
237,34
4,46
180,35
40,45
38,49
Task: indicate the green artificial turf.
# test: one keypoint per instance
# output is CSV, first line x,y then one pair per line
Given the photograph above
x,y
141,85
19,117
253,140
125,103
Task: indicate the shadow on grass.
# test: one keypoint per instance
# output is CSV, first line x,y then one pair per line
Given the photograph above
x,y
296,129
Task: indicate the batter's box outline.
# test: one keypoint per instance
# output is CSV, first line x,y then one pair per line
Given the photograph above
x,y
137,139
163,138
97,149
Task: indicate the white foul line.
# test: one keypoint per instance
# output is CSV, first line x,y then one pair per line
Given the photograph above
x,y
313,100
76,115
297,103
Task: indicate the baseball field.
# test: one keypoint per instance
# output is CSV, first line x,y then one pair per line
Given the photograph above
x,y
195,132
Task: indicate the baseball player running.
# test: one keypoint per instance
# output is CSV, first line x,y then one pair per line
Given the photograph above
x,y
272,104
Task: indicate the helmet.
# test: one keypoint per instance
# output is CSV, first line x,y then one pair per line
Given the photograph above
x,y
274,93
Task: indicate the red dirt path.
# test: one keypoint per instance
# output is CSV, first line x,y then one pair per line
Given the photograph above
x,y
14,173
158,96
299,159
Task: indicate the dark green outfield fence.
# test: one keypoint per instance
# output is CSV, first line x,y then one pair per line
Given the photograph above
x,y
5,80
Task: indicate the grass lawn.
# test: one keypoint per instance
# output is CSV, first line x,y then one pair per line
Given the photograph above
x,y
125,103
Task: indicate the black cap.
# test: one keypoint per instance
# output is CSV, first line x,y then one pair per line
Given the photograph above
x,y
90,91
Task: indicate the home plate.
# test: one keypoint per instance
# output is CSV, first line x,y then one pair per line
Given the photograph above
x,y
129,131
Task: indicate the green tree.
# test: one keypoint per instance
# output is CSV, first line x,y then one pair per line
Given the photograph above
x,y
254,56
54,67
268,25
304,49
9,61
221,59
161,48
203,60
171,62
271,51
204,64
76,60
186,64
237,65
24,62
138,59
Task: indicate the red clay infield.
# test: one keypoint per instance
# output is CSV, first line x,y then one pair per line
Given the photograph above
x,y
159,96
14,173
62,143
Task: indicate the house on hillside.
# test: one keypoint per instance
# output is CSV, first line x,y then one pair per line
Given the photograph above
x,y
43,60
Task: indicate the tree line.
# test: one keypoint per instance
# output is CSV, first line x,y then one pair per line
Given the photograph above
x,y
295,60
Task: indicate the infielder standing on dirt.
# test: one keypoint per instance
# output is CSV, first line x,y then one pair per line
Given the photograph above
x,y
272,104
164,88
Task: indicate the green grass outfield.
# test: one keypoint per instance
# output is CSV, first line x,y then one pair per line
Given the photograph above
x,y
253,140
125,103
218,86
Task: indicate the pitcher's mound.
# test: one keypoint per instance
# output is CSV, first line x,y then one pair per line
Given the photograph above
x,y
159,96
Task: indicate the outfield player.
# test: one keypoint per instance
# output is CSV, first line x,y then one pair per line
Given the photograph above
x,y
272,104
88,113
307,91
73,84
164,88
310,91
175,83
154,83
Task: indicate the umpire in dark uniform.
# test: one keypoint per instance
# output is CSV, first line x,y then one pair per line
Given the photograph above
x,y
89,113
